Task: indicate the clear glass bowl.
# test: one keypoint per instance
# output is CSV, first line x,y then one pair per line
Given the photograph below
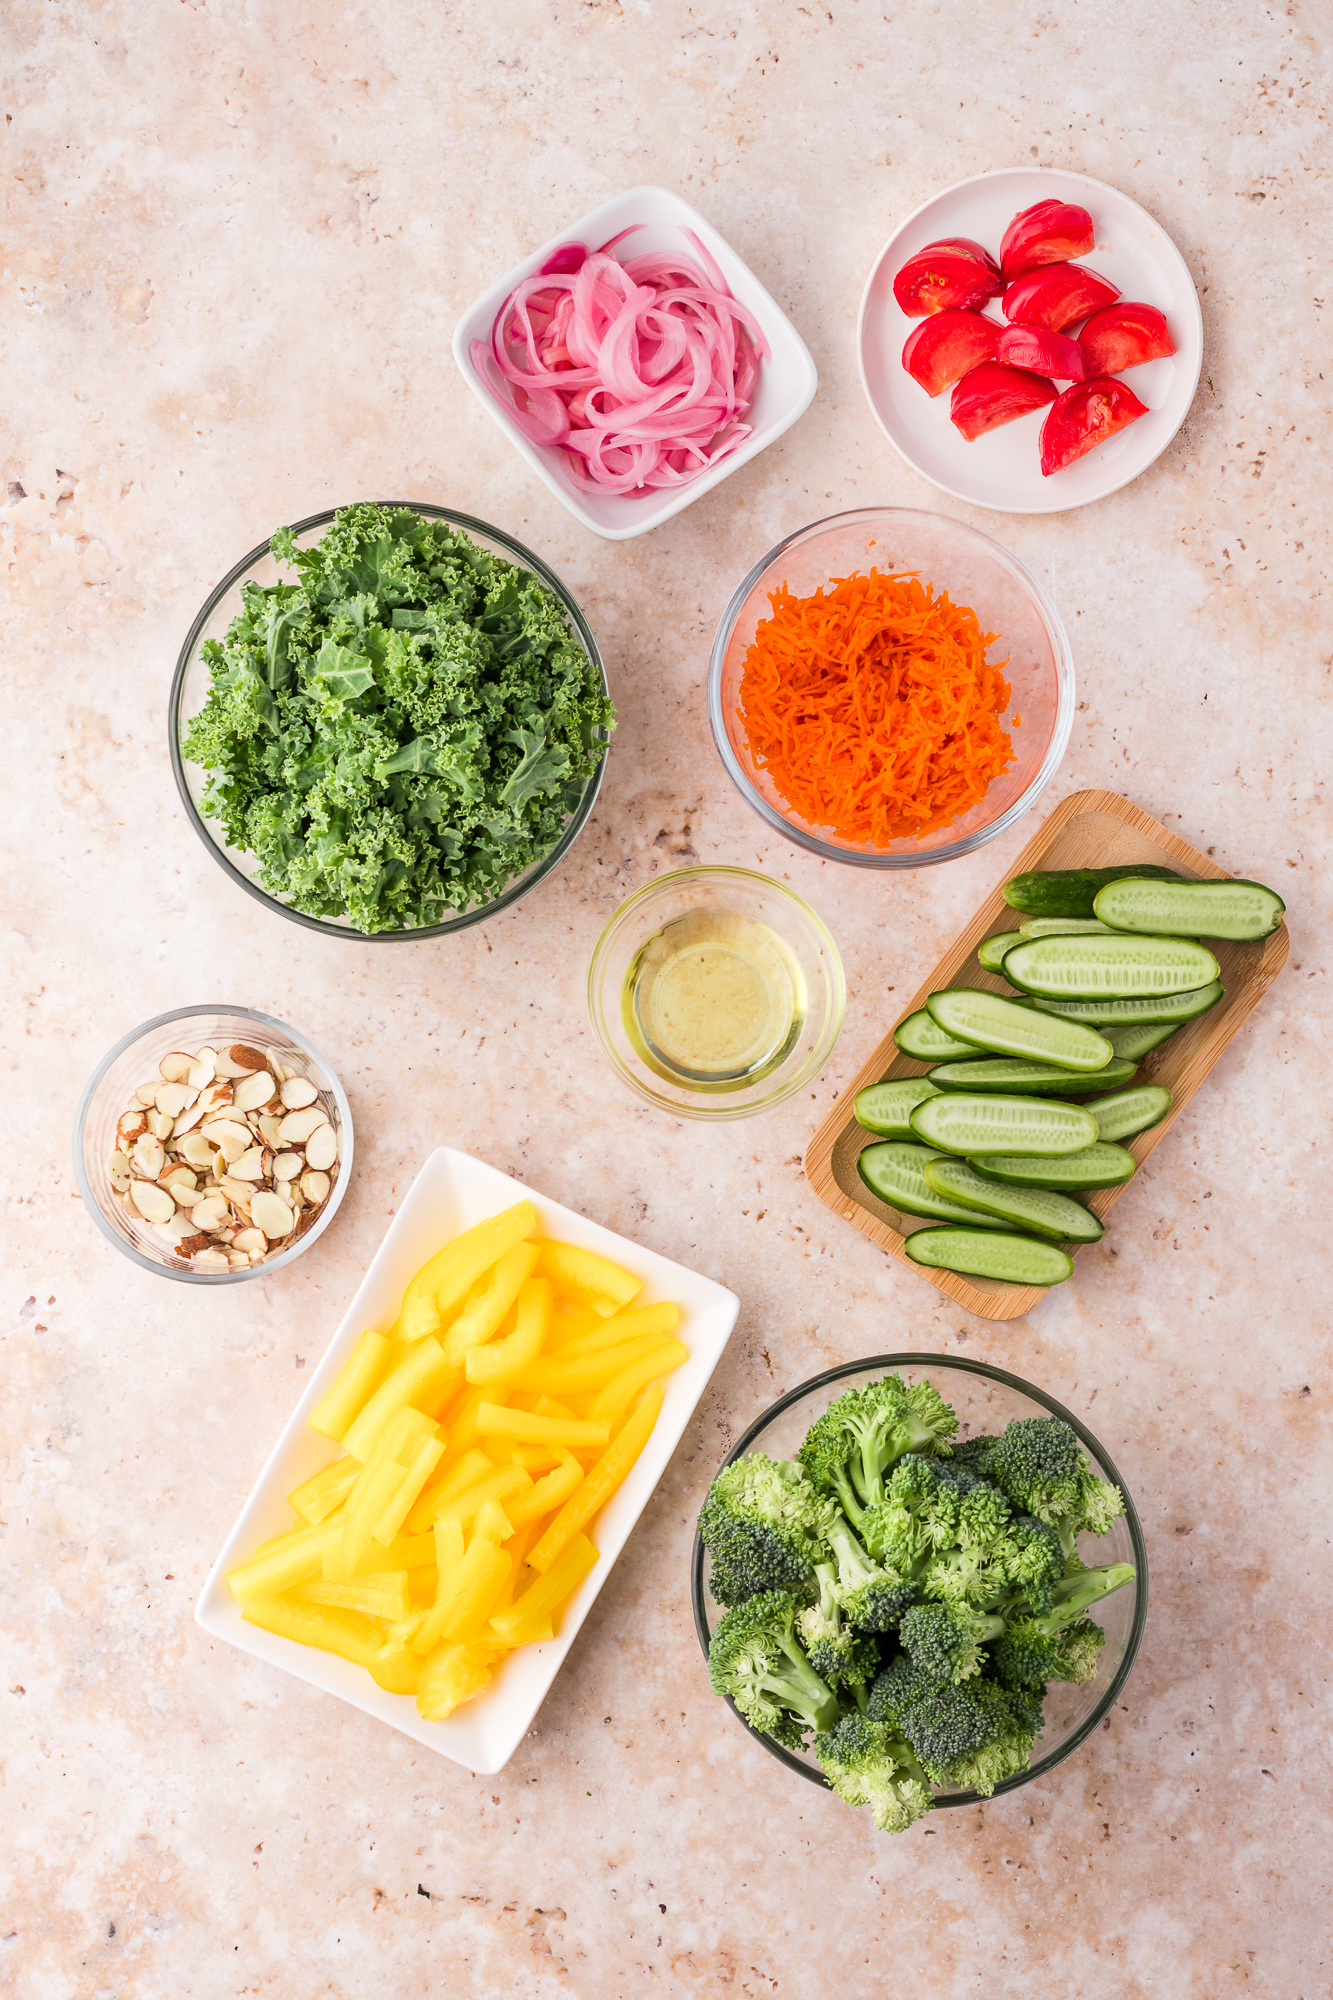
x,y
134,1060
723,892
975,571
190,685
986,1399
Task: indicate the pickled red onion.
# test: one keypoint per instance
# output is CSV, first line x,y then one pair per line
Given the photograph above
x,y
639,373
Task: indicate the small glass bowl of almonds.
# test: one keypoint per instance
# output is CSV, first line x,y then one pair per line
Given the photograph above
x,y
213,1144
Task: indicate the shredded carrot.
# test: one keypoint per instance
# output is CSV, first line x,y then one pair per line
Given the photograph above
x,y
872,707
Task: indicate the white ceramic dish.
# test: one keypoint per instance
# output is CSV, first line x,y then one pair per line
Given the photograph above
x,y
1001,469
451,1192
787,379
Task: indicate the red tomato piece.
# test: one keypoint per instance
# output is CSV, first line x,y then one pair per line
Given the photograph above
x,y
1124,336
1051,232
947,345
993,395
1056,295
955,272
1044,353
1084,416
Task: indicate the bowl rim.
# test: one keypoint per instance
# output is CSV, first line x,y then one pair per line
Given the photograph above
x,y
1085,1436
1055,749
185,1276
520,887
717,1111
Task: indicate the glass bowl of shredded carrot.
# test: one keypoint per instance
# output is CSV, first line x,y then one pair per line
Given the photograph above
x,y
890,688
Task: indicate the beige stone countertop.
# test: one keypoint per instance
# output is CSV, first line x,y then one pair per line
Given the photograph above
x,y
235,241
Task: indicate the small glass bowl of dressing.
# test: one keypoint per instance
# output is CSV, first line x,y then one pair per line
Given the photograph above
x,y
716,993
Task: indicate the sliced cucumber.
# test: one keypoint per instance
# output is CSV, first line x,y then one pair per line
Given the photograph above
x,y
1091,967
990,955
1059,926
1050,1214
886,1107
1158,1009
896,1174
1070,892
990,1021
993,1124
1096,1166
925,1041
1017,1260
1131,1111
1026,1079
1240,911
1138,1039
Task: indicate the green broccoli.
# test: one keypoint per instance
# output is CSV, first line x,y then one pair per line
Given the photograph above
x,y
868,1766
973,1736
1027,1657
756,1660
830,1643
944,1641
871,1597
1039,1463
858,1438
761,1522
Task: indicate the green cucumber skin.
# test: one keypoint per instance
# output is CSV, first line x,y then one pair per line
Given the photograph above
x,y
1005,1027
1042,1209
1098,1166
1027,1079
1070,892
1012,1259
1242,912
1119,967
1177,1008
911,1201
1130,1111
1136,1040
1059,926
990,953
913,1036
884,1108
933,1120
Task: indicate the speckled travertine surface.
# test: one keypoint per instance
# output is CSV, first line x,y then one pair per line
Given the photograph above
x,y
234,244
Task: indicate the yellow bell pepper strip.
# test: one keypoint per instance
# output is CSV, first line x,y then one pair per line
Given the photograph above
x,y
540,1599
429,1452
445,1279
383,1596
403,1552
570,1322
490,1302
449,1548
462,1416
607,1405
601,1482
372,1358
498,1485
662,1318
396,1668
530,1427
422,1378
365,1504
448,1481
593,1280
547,1494
501,1358
398,1437
516,1548
283,1568
422,1582
348,1633
315,1499
281,1541
450,1676
493,1522
586,1371
476,1579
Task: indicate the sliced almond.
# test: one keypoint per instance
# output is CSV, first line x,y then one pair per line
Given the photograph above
x,y
315,1188
196,1149
238,1260
226,1067
190,1245
257,1257
297,1092
271,1214
187,1121
250,1239
174,1230
249,1166
252,1091
297,1126
226,1235
148,1156
212,1261
175,1066
145,1095
210,1213
160,1125
185,1175
215,1096
247,1058
129,1125
118,1171
321,1148
239,1193
268,1129
186,1197
173,1098
287,1166
153,1202
291,1191
203,1069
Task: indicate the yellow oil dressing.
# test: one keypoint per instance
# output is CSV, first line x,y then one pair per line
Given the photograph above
x,y
713,1002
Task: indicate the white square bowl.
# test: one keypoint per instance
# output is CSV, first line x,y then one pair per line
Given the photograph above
x,y
783,392
451,1192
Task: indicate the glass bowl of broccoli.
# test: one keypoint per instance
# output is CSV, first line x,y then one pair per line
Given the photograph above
x,y
389,722
919,1582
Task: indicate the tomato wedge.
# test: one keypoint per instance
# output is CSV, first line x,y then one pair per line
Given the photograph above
x,y
1084,416
1055,296
955,272
948,344
1050,232
993,395
1045,353
1124,336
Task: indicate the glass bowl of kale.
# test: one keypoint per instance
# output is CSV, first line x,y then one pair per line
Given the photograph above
x,y
389,721
937,1583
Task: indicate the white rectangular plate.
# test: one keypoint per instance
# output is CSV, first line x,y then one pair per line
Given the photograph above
x,y
451,1192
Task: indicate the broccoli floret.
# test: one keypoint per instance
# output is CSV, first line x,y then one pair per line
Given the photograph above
x,y
970,1453
755,1659
944,1641
894,1691
1082,1588
858,1438
1039,1463
761,1523
871,1597
973,1736
1026,1657
868,1766
832,1645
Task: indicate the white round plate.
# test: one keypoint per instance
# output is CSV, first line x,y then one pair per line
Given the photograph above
x,y
1002,469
